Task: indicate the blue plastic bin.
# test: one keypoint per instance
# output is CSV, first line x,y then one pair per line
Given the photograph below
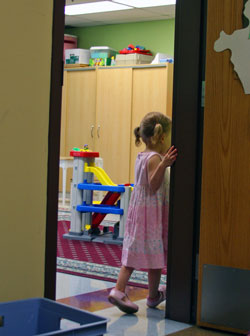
x,y
43,317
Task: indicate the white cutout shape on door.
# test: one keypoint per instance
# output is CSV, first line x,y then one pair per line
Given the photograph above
x,y
239,44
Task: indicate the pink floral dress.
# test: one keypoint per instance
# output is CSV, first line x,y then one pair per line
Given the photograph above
x,y
146,231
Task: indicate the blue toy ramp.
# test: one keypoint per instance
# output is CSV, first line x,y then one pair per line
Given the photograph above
x,y
43,317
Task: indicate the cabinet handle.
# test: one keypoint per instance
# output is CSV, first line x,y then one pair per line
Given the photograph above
x,y
98,131
92,128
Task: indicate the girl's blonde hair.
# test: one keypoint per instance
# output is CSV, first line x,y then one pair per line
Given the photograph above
x,y
152,126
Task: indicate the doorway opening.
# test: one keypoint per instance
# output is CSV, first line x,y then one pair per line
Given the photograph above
x,y
191,104
100,108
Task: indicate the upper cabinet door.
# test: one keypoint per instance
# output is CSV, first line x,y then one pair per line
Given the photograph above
x,y
152,91
113,121
63,115
80,109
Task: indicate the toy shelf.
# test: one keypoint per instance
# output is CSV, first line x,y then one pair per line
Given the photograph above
x,y
86,216
100,208
97,186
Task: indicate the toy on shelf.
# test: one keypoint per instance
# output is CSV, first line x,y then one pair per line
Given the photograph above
x,y
101,56
86,216
131,49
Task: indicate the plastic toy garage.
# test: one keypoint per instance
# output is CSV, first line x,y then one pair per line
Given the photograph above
x,y
86,216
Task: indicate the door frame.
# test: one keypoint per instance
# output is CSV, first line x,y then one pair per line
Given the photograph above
x,y
185,183
185,175
56,82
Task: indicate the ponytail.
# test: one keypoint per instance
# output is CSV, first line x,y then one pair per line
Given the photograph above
x,y
137,136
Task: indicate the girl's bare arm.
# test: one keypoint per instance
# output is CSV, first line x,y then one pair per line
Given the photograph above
x,y
157,167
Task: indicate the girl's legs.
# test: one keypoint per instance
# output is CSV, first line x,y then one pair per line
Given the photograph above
x,y
156,294
154,277
123,278
117,295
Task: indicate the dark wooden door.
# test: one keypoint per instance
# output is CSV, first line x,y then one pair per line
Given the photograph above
x,y
224,253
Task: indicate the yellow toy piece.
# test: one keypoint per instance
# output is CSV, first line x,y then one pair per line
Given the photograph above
x,y
100,174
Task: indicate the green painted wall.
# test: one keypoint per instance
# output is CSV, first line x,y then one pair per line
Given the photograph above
x,y
158,36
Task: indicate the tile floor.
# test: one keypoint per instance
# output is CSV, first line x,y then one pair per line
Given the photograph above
x,y
91,295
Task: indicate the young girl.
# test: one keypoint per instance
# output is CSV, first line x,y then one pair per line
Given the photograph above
x,y
145,240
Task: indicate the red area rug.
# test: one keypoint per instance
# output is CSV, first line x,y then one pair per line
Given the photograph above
x,y
93,260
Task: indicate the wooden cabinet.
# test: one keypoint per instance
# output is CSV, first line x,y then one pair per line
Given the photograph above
x,y
63,125
152,91
113,120
81,107
102,106
78,113
63,115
